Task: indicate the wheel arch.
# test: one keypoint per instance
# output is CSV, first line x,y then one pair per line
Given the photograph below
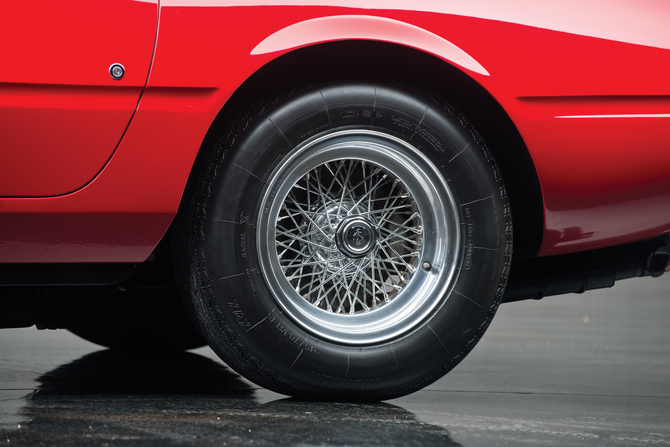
x,y
360,59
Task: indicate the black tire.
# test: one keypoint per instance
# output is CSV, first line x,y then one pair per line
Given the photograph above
x,y
389,337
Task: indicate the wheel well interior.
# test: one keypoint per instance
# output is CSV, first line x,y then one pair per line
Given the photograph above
x,y
379,61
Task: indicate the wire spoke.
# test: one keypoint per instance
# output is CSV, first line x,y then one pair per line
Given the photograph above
x,y
305,231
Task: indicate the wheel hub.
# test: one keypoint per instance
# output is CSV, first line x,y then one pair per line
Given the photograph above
x,y
323,233
356,237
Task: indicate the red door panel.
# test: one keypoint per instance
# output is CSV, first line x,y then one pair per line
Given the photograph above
x,y
61,113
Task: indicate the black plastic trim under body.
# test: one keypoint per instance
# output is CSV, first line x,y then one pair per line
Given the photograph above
x,y
64,274
535,278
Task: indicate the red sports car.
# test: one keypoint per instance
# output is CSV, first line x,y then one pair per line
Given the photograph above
x,y
335,187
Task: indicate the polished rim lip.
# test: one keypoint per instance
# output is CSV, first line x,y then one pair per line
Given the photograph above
x,y
426,291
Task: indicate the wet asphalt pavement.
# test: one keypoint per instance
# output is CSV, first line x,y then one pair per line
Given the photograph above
x,y
575,370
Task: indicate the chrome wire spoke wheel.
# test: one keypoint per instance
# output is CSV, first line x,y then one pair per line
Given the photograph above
x,y
358,236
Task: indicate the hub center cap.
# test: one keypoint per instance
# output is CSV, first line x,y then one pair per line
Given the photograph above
x,y
355,237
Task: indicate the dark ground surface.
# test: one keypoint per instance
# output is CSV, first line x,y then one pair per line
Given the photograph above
x,y
574,370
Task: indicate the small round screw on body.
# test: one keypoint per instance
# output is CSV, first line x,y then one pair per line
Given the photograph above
x,y
426,265
116,71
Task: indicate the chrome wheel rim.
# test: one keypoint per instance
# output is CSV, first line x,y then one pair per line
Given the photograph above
x,y
358,237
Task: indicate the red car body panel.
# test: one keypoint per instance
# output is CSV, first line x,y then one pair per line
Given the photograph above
x,y
62,114
585,85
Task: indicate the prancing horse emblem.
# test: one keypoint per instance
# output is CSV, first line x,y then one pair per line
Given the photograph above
x,y
359,237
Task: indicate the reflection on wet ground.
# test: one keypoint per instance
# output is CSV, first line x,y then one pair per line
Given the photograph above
x,y
575,370
109,399
107,372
